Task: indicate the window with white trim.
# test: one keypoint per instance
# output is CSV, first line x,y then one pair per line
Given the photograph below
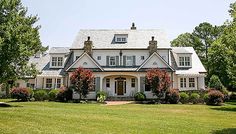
x,y
57,61
112,61
58,83
132,82
129,60
184,61
99,58
183,83
121,38
191,82
48,83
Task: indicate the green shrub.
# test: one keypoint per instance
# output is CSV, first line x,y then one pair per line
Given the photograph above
x,y
31,92
65,94
194,98
40,95
52,95
172,96
184,97
139,96
101,96
20,93
215,97
233,96
215,83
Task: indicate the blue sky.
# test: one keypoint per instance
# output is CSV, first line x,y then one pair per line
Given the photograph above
x,y
61,20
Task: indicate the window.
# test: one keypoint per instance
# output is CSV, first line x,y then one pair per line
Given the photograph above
x,y
27,84
48,83
58,83
112,61
133,82
147,88
54,61
99,58
85,63
191,82
57,61
94,85
121,38
182,82
129,60
107,82
142,57
184,61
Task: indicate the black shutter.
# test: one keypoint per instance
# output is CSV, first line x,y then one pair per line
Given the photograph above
x,y
134,61
97,84
117,60
142,84
124,60
107,60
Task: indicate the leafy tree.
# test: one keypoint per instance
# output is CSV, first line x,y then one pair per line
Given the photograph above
x,y
215,83
19,39
158,80
82,81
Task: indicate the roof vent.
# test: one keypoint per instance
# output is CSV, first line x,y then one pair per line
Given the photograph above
x,y
133,27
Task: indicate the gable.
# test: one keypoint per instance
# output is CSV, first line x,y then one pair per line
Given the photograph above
x,y
84,61
155,61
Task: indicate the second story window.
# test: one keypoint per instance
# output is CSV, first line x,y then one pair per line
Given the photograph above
x,y
99,58
184,61
129,61
120,38
112,61
57,61
142,57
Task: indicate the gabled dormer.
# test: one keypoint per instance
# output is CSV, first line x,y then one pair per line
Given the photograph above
x,y
58,56
121,38
183,57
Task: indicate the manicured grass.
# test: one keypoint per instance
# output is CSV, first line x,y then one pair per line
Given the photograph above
x,y
70,118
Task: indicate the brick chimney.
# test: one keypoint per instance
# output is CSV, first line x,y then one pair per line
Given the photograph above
x,y
133,27
88,46
152,46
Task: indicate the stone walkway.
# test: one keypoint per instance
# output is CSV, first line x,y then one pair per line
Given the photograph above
x,y
110,103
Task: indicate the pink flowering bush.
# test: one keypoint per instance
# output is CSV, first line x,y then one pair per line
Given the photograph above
x,y
20,93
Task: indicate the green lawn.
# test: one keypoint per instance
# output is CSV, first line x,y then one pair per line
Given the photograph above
x,y
70,118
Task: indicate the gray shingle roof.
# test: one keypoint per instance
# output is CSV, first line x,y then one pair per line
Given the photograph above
x,y
59,50
104,39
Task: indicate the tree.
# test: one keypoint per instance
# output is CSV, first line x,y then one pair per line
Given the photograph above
x,y
82,81
19,39
158,80
215,83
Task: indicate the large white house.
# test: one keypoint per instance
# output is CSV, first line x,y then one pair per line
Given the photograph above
x,y
119,60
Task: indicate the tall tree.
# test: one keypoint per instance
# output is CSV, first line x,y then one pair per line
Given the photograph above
x,y
19,39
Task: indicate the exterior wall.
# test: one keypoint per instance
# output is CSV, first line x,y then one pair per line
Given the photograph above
x,y
23,83
77,53
199,83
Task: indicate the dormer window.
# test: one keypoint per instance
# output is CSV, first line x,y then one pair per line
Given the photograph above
x,y
121,38
184,61
57,62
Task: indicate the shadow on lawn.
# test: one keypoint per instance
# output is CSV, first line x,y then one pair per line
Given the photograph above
x,y
231,109
225,131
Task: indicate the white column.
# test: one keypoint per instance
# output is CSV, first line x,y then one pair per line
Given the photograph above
x,y
101,83
138,83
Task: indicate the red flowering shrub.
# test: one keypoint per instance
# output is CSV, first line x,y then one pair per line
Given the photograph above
x,y
82,81
172,96
158,80
214,97
64,94
20,93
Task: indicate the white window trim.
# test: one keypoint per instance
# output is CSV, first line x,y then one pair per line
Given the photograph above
x,y
121,37
56,62
190,61
187,83
114,60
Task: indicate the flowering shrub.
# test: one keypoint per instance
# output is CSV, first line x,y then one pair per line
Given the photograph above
x,y
158,80
82,81
214,97
20,93
64,94
184,97
139,96
194,98
172,96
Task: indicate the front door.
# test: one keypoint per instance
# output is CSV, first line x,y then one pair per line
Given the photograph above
x,y
120,88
